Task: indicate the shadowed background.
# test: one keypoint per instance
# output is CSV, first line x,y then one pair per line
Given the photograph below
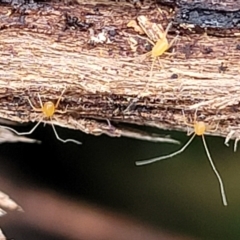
x,y
180,195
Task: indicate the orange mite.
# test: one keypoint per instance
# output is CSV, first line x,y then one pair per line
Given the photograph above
x,y
199,130
48,109
161,46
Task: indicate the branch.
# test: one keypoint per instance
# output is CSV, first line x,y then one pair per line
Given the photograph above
x,y
98,61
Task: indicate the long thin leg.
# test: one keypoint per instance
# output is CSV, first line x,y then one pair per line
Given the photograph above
x,y
34,108
152,160
173,41
187,124
167,29
59,99
195,115
63,140
151,70
22,133
150,77
40,100
62,112
216,173
185,121
235,144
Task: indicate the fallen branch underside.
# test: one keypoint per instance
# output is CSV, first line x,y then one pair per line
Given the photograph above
x,y
107,81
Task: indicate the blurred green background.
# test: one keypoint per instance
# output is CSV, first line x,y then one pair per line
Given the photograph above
x,y
180,194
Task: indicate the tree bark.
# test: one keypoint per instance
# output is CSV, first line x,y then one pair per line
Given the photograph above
x,y
100,63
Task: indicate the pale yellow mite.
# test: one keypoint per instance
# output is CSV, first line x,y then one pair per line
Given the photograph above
x,y
156,36
48,109
161,46
199,130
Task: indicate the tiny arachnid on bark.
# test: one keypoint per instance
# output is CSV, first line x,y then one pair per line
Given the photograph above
x,y
48,109
157,37
199,129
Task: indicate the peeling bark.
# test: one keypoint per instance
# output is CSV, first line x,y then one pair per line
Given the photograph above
x,y
44,50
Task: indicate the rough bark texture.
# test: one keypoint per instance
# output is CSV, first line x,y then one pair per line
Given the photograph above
x,y
42,53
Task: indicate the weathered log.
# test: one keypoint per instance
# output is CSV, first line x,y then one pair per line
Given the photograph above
x,y
88,50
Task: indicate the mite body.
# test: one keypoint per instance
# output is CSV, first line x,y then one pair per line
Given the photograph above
x,y
48,109
199,128
157,37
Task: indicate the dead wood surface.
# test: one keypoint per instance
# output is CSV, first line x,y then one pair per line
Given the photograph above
x,y
107,81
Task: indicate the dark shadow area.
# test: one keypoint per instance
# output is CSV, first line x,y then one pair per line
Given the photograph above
x,y
180,195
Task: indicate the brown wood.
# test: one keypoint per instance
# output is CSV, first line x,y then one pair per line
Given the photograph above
x,y
107,81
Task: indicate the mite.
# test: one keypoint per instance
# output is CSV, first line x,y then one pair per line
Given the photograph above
x,y
199,128
48,109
